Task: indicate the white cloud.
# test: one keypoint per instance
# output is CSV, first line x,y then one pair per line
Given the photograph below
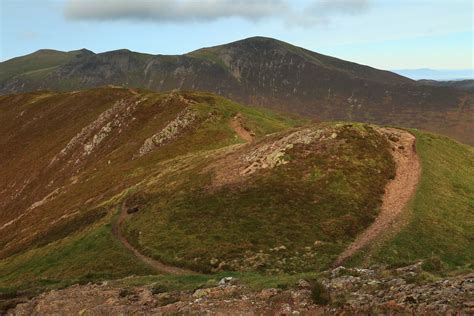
x,y
321,12
173,10
325,7
306,13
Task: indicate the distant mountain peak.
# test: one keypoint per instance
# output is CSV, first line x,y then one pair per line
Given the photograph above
x,y
258,39
47,51
83,51
258,70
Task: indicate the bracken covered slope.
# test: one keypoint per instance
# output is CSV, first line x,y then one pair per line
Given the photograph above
x,y
208,185
204,184
70,152
261,72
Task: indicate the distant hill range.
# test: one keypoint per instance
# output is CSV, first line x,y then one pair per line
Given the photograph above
x,y
261,72
436,74
467,85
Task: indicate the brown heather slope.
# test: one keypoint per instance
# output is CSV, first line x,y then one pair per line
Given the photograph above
x,y
286,202
210,186
64,154
261,72
211,181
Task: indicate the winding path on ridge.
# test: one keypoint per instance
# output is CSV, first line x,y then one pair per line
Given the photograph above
x,y
398,191
156,265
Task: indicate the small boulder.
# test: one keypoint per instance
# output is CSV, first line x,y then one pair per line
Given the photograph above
x,y
338,271
394,137
304,284
318,243
200,293
267,293
228,281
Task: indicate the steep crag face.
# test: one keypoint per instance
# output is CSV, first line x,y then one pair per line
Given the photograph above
x,y
264,72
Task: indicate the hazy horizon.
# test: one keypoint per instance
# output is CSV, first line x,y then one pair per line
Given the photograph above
x,y
436,74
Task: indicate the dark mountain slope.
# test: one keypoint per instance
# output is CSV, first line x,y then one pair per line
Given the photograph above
x,y
265,72
269,52
467,85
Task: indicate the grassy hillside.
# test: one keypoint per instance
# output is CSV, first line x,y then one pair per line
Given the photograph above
x,y
78,150
296,216
71,157
441,216
93,254
44,61
202,193
212,186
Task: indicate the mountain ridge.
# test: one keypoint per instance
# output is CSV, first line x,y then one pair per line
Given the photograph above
x,y
257,42
261,72
106,183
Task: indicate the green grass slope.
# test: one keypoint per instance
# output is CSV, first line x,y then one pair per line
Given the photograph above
x,y
41,61
295,217
59,229
92,255
287,202
441,220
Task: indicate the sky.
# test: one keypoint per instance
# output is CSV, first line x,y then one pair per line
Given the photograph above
x,y
386,34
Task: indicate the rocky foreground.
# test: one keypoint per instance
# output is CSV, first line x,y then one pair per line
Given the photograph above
x,y
344,291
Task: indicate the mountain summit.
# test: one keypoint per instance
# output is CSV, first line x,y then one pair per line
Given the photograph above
x,y
257,71
262,50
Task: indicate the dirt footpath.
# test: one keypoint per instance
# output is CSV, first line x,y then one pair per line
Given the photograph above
x,y
398,191
238,127
154,264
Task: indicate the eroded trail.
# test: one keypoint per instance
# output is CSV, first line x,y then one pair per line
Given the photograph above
x,y
398,191
237,126
154,264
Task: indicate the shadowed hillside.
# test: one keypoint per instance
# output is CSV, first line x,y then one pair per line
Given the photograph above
x,y
467,85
